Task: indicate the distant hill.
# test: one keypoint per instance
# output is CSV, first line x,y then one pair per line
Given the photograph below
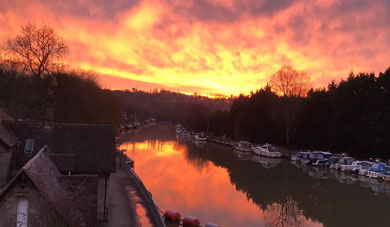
x,y
170,106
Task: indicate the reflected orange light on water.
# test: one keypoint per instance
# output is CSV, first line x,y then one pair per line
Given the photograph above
x,y
192,186
180,185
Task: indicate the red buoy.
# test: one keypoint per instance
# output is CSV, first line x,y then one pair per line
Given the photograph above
x,y
210,224
190,221
172,215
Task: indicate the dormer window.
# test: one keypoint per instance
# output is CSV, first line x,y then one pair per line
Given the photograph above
x,y
29,146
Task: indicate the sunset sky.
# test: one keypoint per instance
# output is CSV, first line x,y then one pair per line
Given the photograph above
x,y
211,46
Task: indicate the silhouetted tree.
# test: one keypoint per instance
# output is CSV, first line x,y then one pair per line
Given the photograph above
x,y
36,49
291,85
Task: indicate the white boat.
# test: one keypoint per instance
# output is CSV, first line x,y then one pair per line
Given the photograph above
x,y
353,165
200,137
267,150
361,168
244,146
343,163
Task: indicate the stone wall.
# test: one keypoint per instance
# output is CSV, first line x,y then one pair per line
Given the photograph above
x,y
40,212
102,180
5,158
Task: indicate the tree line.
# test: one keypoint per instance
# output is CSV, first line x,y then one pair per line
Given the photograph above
x,y
32,76
351,116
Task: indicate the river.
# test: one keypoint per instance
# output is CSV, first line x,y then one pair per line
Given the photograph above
x,y
217,184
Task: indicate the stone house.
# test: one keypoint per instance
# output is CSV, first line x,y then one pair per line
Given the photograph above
x,y
35,197
83,156
7,142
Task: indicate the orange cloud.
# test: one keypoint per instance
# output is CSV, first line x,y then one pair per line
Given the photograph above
x,y
213,46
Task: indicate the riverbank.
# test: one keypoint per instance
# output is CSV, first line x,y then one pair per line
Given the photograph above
x,y
286,152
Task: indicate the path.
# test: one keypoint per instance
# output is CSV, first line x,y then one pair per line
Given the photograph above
x,y
126,205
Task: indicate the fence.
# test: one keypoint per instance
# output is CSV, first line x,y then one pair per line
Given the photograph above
x,y
148,197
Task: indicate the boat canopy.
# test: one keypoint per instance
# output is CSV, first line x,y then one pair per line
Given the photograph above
x,y
387,171
365,164
378,167
299,154
333,159
305,155
244,144
346,161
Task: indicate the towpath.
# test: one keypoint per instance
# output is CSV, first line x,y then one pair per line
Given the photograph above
x,y
127,206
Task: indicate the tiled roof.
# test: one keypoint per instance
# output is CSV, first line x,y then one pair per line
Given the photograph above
x,y
4,116
6,138
43,173
64,162
93,146
82,191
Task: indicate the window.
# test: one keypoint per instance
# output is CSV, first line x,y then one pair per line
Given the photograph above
x,y
22,212
29,146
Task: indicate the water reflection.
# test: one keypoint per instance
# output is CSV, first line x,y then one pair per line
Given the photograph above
x,y
216,184
265,161
284,214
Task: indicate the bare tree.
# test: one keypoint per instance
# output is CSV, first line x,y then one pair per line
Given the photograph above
x,y
291,84
37,49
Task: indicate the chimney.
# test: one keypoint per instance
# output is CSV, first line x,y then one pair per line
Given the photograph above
x,y
48,107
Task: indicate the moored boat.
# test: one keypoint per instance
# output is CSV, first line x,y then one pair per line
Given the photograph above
x,y
377,170
332,161
386,175
298,156
319,158
343,163
361,167
305,158
267,150
200,137
244,146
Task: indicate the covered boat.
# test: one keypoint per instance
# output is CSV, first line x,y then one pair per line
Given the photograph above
x,y
319,158
298,156
377,170
305,159
332,161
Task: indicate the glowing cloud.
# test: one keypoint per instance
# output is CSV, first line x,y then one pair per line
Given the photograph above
x,y
212,46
